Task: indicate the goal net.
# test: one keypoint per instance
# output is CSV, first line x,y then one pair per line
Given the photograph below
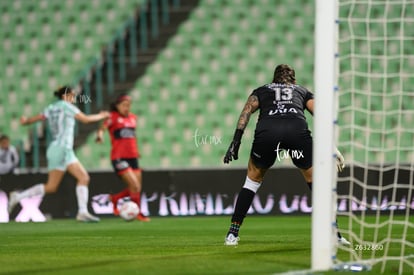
x,y
376,134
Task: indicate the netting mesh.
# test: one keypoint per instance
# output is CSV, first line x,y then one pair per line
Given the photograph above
x,y
376,132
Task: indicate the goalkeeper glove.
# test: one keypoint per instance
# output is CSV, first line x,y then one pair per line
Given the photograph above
x,y
233,151
340,161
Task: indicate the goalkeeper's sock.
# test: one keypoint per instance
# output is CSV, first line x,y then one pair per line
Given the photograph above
x,y
234,229
244,200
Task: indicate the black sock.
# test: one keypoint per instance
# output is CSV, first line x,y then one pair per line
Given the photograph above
x,y
244,200
309,185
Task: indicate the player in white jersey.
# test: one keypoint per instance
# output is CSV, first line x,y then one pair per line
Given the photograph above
x,y
61,116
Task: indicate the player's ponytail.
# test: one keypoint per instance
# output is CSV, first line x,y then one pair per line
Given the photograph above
x,y
62,91
284,74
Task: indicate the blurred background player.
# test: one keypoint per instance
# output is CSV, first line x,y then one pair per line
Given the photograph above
x,y
281,126
9,159
61,116
121,126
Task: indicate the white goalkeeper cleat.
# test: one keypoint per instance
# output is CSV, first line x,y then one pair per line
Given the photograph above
x,y
12,201
86,217
343,241
231,240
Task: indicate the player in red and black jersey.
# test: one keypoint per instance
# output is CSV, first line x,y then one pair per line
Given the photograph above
x,y
121,126
281,126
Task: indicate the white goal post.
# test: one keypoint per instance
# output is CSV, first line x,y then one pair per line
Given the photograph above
x,y
364,80
324,173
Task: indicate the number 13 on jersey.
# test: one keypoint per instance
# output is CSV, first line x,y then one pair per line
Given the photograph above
x,y
284,94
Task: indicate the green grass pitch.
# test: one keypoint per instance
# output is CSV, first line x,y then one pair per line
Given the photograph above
x,y
170,245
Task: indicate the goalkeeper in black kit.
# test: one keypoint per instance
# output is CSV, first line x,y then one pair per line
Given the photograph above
x,y
281,125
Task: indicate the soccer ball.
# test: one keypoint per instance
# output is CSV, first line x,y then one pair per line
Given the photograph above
x,y
129,210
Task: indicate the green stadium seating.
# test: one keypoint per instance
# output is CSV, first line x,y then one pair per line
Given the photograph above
x,y
201,80
48,43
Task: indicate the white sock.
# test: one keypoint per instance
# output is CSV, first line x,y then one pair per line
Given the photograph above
x,y
251,185
82,193
35,190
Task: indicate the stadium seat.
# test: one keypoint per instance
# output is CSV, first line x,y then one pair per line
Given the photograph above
x,y
202,78
38,37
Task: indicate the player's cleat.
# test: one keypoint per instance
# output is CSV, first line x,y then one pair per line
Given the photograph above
x,y
231,240
343,241
12,201
143,218
86,217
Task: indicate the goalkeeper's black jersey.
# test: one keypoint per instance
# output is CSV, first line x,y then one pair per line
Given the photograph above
x,y
282,101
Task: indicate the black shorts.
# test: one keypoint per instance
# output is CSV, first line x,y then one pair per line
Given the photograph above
x,y
123,165
278,139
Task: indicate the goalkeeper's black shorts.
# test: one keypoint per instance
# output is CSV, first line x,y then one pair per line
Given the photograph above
x,y
278,139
